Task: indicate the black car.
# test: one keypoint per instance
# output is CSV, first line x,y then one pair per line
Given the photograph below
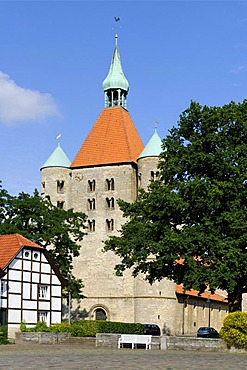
x,y
151,329
207,332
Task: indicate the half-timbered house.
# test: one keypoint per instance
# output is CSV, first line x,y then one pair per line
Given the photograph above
x,y
31,285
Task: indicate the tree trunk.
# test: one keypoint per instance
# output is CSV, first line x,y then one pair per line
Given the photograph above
x,y
235,300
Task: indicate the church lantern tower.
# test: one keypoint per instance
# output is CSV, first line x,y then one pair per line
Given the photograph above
x,y
115,85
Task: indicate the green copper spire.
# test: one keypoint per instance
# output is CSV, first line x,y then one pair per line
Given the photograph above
x,y
153,147
57,159
115,85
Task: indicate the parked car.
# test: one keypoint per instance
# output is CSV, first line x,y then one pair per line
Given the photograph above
x,y
151,329
207,332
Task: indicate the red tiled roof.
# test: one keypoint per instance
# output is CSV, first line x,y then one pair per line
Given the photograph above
x,y
113,139
10,246
195,293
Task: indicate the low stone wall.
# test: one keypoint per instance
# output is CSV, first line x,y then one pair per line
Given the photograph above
x,y
168,343
44,338
192,344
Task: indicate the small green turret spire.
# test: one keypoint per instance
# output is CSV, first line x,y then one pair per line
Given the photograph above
x,y
115,85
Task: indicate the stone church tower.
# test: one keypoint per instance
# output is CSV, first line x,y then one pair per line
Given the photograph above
x,y
111,164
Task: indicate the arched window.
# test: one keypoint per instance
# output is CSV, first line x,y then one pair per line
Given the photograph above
x,y
110,202
100,314
110,184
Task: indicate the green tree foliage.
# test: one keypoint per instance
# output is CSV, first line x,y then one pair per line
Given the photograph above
x,y
234,330
57,230
190,226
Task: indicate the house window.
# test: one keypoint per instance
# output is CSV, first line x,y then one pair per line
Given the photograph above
x,y
43,292
60,204
110,184
154,175
2,288
43,188
60,186
91,185
110,202
91,225
42,316
91,204
109,225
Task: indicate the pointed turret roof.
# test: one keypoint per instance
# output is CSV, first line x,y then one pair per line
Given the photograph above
x,y
57,159
113,139
116,78
153,147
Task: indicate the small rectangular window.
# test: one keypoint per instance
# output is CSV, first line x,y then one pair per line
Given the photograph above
x,y
43,292
60,186
42,316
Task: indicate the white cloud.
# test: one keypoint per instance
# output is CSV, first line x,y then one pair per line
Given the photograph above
x,y
18,104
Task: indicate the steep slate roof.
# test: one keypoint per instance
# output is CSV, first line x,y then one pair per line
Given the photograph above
x,y
206,294
57,159
153,147
10,245
113,139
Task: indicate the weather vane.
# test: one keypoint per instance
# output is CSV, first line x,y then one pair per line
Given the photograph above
x,y
117,19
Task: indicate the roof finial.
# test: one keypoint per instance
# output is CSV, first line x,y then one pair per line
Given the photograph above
x,y
116,39
156,125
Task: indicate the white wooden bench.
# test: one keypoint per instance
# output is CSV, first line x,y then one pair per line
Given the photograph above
x,y
135,339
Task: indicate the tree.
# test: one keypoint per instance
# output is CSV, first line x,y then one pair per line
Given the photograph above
x,y
57,230
190,226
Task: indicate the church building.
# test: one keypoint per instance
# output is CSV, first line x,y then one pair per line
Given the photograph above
x,y
112,164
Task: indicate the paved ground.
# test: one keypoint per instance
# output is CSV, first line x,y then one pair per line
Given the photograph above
x,y
68,357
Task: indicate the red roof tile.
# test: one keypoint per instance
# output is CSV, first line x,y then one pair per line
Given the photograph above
x,y
113,139
10,245
195,293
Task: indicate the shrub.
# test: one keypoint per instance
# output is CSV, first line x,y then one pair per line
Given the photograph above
x,y
86,328
4,335
234,330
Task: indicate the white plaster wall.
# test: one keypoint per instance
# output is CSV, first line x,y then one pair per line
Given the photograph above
x,y
55,279
45,268
56,304
45,279
27,276
34,291
27,265
55,317
14,275
35,277
14,301
44,305
14,316
56,290
29,304
29,316
15,287
36,266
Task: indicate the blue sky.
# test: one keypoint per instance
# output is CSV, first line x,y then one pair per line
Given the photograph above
x,y
54,56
